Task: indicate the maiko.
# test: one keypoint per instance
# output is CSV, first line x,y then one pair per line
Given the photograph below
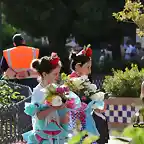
x,y
140,125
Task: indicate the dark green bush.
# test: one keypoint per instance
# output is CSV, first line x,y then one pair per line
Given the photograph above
x,y
114,64
124,83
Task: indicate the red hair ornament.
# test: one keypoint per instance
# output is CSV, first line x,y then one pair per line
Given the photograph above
x,y
86,51
54,59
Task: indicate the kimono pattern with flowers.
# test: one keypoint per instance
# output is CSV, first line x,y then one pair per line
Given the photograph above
x,y
48,130
84,114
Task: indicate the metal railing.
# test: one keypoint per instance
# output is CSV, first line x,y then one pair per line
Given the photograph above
x,y
13,120
98,80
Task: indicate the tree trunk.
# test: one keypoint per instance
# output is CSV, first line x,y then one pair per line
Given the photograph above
x,y
116,41
57,41
57,44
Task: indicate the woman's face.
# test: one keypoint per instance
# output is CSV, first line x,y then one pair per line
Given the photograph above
x,y
52,76
85,69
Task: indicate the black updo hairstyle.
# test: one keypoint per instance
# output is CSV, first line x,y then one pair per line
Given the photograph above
x,y
75,59
44,65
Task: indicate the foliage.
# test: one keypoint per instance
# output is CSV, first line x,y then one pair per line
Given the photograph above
x,y
58,19
132,12
52,16
135,133
9,95
83,138
83,87
6,32
56,96
127,83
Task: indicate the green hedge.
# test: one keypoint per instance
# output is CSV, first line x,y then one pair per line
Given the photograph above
x,y
124,83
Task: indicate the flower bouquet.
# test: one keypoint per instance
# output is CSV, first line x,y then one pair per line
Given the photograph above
x,y
56,96
85,89
75,84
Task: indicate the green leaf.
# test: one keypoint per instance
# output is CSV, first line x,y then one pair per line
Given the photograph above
x,y
88,45
75,139
14,95
90,139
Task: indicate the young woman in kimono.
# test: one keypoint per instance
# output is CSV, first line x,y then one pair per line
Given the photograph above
x,y
81,65
49,122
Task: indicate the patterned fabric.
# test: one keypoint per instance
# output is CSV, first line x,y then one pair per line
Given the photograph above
x,y
120,113
80,115
47,130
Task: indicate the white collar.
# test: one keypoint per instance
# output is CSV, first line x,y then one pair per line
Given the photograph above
x,y
100,115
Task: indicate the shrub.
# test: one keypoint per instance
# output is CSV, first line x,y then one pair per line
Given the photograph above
x,y
135,133
127,83
83,138
9,95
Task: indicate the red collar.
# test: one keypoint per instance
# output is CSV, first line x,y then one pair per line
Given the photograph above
x,y
74,74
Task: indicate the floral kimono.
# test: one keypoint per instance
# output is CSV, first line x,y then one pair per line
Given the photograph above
x,y
47,131
80,113
98,121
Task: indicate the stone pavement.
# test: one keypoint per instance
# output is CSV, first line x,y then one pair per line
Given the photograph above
x,y
114,141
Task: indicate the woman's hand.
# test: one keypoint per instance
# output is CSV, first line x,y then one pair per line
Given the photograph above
x,y
22,75
59,107
65,119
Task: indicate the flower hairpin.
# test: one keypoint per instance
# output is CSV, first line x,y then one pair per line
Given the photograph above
x,y
87,51
54,58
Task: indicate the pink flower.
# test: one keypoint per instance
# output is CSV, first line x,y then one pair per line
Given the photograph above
x,y
60,90
70,103
66,89
83,98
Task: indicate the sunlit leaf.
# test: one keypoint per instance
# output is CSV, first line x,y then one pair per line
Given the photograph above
x,y
75,139
14,95
132,12
90,139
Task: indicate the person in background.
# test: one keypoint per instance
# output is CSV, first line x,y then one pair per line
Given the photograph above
x,y
102,58
138,48
140,53
130,50
16,61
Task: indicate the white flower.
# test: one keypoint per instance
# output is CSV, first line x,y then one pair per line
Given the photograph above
x,y
84,78
57,101
77,82
86,93
98,96
87,83
43,90
92,87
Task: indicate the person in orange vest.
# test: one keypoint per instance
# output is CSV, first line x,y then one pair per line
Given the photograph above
x,y
16,62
